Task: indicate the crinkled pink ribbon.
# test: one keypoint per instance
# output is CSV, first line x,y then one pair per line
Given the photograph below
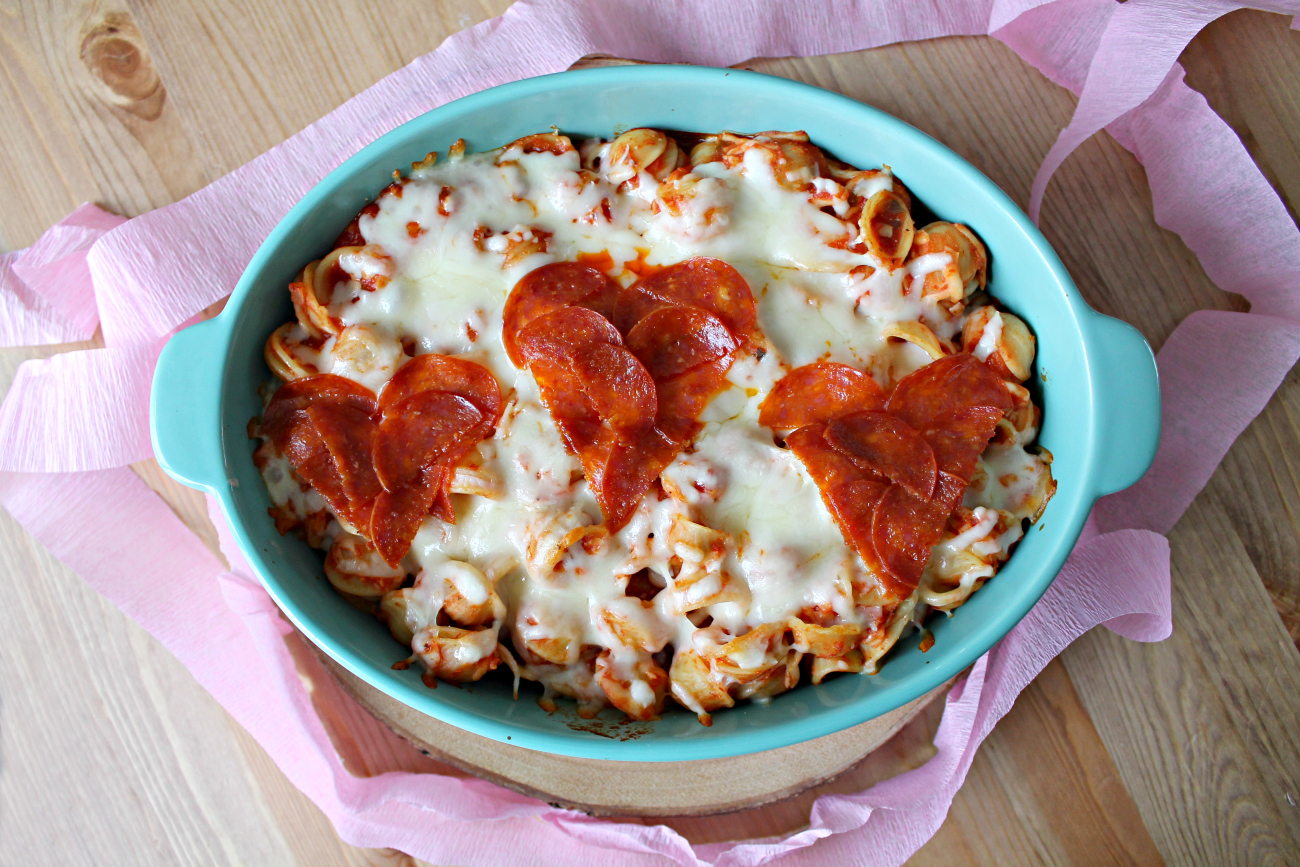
x,y
73,422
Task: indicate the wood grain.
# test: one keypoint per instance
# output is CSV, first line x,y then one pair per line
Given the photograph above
x,y
1245,63
1203,725
1183,752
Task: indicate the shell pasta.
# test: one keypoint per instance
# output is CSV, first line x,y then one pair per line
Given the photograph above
x,y
662,417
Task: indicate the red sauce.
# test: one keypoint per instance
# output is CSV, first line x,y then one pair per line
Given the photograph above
x,y
601,261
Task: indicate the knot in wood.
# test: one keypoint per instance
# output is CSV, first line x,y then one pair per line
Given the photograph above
x,y
115,54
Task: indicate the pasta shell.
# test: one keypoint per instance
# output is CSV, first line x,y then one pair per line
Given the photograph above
x,y
354,566
642,150
824,641
395,612
554,650
775,680
700,581
547,142
886,226
916,333
639,693
479,480
633,623
794,160
310,289
852,661
282,354
467,598
547,543
364,351
1000,339
637,148
707,151
695,687
456,655
427,163
749,657
968,268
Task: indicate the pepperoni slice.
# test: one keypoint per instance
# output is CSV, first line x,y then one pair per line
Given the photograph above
x,y
684,397
422,430
853,504
592,442
584,372
432,372
564,330
612,468
702,282
960,437
441,507
674,340
819,392
552,287
849,490
563,392
629,471
627,413
298,395
398,514
349,434
306,450
906,527
619,469
887,445
946,385
949,491
617,385
827,465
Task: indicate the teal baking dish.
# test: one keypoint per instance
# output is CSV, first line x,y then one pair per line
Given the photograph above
x,y
1095,375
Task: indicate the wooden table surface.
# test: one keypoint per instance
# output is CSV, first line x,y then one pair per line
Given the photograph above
x,y
1183,752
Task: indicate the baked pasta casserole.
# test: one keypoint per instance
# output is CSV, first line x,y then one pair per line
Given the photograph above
x,y
662,416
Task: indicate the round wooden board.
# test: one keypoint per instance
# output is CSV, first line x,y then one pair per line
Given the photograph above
x,y
647,789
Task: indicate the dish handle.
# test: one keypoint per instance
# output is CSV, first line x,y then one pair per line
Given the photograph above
x,y
1128,403
185,407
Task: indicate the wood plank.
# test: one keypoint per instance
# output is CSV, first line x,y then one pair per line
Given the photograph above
x,y
80,136
112,751
1258,490
238,81
273,65
1202,726
1043,790
1245,64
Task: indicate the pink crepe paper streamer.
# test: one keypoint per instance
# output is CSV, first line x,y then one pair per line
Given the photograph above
x,y
79,411
1142,41
224,629
46,295
883,825
1218,369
